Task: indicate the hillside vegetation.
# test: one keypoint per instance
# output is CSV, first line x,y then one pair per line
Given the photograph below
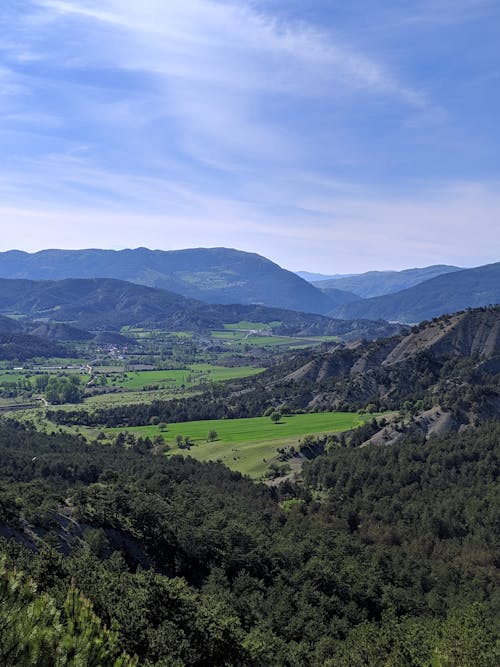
x,y
468,288
378,283
103,304
215,275
191,564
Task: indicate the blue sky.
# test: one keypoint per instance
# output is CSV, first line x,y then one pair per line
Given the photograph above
x,y
327,135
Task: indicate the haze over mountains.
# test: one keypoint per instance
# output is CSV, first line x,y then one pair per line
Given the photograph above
x,y
213,275
378,283
447,293
227,276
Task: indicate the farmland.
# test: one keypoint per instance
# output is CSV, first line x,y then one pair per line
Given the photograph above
x,y
248,445
261,337
192,375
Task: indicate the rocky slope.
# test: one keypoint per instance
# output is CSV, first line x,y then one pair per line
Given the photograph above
x,y
453,361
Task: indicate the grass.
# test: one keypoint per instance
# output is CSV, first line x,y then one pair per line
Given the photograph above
x,y
249,445
192,376
245,325
15,376
240,337
133,397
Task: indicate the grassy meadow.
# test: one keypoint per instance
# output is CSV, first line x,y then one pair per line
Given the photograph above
x,y
193,375
248,445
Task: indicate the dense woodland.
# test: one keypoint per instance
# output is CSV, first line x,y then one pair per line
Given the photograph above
x,y
114,554
385,556
20,347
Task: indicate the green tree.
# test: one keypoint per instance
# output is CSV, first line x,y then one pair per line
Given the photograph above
x,y
35,633
275,417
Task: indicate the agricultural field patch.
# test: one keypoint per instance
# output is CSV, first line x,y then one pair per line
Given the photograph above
x,y
248,445
193,375
245,325
254,338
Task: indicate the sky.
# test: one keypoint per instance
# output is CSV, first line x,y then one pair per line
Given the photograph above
x,y
327,135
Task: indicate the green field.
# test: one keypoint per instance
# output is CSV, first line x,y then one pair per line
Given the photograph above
x,y
133,397
240,337
244,325
249,445
194,375
6,377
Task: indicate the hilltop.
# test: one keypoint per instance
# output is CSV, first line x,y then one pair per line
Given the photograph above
x,y
214,275
468,288
378,283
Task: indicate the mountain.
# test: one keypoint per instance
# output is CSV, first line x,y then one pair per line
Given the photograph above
x,y
21,346
468,288
48,330
214,275
315,277
339,296
107,304
446,373
378,283
8,325
25,339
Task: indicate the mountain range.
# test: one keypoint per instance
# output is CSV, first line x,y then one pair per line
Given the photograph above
x,y
378,283
105,304
316,277
223,276
446,293
213,275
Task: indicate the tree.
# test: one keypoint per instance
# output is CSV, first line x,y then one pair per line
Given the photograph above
x,y
275,417
212,435
35,632
63,389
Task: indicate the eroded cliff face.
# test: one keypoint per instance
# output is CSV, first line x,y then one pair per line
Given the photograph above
x,y
434,359
474,333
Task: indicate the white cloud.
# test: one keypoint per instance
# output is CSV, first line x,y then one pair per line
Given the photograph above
x,y
219,68
196,122
332,227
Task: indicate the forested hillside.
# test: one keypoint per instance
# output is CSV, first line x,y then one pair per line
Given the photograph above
x,y
468,288
215,275
396,565
102,304
20,347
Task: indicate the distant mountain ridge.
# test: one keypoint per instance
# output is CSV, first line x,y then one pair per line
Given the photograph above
x,y
316,277
109,304
214,275
468,288
378,283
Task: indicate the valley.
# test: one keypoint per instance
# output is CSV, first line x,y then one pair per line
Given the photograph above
x,y
250,457
249,333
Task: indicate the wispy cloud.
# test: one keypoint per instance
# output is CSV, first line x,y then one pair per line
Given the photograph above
x,y
442,12
218,68
225,122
